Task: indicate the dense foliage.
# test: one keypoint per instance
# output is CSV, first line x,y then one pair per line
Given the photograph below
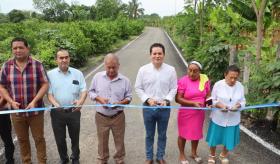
x,y
82,38
219,33
212,53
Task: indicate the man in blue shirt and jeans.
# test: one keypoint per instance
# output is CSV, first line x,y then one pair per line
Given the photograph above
x,y
156,85
67,88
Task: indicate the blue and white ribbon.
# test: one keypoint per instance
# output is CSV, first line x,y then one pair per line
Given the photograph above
x,y
131,106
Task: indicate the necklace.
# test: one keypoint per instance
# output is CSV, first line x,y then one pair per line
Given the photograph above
x,y
232,93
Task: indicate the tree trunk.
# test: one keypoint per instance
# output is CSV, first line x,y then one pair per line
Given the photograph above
x,y
246,71
260,27
278,51
195,4
201,22
259,38
233,55
269,114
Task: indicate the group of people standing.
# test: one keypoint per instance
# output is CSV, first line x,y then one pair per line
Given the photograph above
x,y
227,95
24,82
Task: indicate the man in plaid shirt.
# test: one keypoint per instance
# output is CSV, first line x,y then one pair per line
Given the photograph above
x,y
23,83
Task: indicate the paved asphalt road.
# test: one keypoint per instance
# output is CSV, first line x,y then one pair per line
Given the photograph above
x,y
131,58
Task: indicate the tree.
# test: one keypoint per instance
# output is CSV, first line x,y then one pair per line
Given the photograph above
x,y
246,8
107,9
41,5
60,13
259,11
229,25
3,18
275,9
92,12
123,10
16,16
80,12
53,10
134,10
191,3
151,20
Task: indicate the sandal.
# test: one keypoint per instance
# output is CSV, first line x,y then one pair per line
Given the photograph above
x,y
197,159
211,159
223,159
184,162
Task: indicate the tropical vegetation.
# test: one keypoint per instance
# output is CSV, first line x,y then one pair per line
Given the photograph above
x,y
219,33
85,31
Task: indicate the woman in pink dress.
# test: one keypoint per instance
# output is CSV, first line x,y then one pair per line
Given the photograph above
x,y
193,90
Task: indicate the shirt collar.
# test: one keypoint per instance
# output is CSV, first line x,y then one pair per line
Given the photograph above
x,y
160,68
68,71
225,84
29,60
119,77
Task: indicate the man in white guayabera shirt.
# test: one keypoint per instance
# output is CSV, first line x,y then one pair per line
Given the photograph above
x,y
156,85
110,87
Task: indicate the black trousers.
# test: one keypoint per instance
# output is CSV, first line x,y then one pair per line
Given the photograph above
x,y
5,133
61,120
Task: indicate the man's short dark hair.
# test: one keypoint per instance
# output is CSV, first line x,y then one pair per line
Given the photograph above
x,y
61,49
232,68
19,39
157,45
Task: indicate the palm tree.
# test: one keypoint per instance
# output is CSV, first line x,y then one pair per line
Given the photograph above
x,y
275,9
134,10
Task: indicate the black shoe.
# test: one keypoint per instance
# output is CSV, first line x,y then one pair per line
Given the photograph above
x,y
75,161
64,161
10,161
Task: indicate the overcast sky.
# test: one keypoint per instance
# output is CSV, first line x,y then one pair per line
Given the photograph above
x,y
161,7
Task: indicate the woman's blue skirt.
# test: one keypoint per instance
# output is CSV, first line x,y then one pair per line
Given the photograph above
x,y
218,135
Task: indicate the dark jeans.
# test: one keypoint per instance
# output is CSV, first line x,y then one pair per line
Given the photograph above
x,y
59,122
159,117
5,132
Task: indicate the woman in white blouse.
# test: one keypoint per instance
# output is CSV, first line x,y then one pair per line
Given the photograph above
x,y
228,95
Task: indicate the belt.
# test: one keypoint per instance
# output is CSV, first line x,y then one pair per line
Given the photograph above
x,y
68,110
113,116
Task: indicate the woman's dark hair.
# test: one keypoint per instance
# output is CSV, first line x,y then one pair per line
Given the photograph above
x,y
18,39
157,45
232,68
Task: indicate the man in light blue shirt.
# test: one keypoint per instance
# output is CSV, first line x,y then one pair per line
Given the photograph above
x,y
67,88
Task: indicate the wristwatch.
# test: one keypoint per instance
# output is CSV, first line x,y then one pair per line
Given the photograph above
x,y
146,102
167,102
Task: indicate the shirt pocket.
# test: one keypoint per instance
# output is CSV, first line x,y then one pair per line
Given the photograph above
x,y
75,89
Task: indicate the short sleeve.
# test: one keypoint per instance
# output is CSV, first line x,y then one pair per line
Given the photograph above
x,y
43,74
181,85
83,85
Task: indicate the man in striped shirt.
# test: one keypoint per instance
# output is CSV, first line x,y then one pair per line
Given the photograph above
x,y
23,83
